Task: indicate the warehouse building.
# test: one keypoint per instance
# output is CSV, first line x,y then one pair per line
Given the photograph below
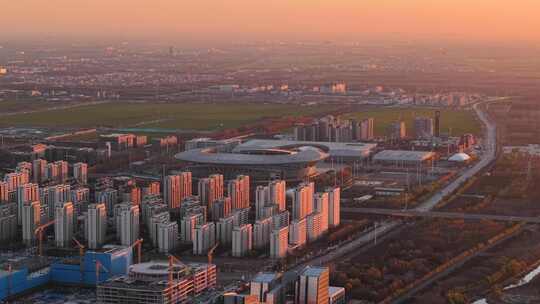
x,y
404,158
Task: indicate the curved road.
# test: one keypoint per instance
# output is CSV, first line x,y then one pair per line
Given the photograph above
x,y
489,153
489,149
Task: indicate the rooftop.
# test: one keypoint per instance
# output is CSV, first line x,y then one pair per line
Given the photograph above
x,y
403,155
211,156
333,148
265,277
313,271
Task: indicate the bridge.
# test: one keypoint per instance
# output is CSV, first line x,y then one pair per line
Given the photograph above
x,y
347,212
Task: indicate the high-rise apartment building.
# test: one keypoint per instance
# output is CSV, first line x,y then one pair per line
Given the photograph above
x,y
57,172
167,236
312,286
423,127
397,130
95,224
16,179
302,203
333,129
334,203
26,193
241,216
366,129
188,224
31,219
261,233
210,189
221,208
8,225
224,229
279,243
109,197
238,191
39,171
128,216
80,173
205,238
281,219
262,284
314,230
242,240
4,192
64,225
272,195
152,188
321,206
154,221
298,232
176,188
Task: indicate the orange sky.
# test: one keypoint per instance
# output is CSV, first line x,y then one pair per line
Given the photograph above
x,y
502,20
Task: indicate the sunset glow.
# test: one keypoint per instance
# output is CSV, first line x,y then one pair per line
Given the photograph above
x,y
276,19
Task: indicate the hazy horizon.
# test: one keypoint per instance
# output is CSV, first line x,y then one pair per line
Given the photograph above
x,y
244,20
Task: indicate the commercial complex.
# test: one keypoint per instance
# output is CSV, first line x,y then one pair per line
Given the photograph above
x,y
149,283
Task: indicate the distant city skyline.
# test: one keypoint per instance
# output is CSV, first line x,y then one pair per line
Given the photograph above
x,y
218,20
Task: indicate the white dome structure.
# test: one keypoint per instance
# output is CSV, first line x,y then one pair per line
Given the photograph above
x,y
460,157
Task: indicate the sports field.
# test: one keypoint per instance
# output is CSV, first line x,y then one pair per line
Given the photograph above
x,y
160,116
455,121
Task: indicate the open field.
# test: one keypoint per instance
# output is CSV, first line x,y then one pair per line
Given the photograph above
x,y
21,105
460,121
160,116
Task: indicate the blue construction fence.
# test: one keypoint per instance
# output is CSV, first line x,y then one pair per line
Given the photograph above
x,y
113,263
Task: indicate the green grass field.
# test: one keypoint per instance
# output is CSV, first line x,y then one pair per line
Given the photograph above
x,y
460,121
160,116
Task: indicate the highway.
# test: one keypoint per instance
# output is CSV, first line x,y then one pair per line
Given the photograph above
x,y
489,153
346,212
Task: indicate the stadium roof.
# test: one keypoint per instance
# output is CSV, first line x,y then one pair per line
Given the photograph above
x,y
334,149
210,156
403,155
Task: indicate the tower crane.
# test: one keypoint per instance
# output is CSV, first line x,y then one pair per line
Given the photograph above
x,y
172,260
138,244
39,233
211,253
99,266
10,272
81,255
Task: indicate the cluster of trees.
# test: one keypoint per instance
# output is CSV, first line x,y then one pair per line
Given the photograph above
x,y
417,252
